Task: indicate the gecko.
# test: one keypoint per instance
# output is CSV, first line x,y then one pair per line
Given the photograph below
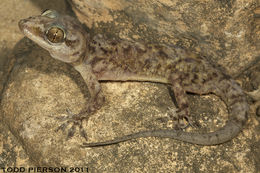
x,y
98,59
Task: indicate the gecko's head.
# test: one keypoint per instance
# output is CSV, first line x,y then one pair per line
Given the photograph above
x,y
61,35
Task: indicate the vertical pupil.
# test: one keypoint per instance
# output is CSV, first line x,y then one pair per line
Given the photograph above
x,y
55,35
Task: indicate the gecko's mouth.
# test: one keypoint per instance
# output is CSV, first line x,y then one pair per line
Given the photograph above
x,y
33,30
29,29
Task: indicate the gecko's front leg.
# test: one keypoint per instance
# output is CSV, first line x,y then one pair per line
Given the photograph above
x,y
96,101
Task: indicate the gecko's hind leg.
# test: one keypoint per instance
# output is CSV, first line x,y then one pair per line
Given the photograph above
x,y
183,114
197,83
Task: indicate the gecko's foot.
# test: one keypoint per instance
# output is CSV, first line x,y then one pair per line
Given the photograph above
x,y
75,120
182,118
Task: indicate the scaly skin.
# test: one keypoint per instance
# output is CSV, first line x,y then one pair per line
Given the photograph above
x,y
98,59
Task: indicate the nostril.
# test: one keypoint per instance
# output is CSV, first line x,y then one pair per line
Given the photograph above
x,y
21,23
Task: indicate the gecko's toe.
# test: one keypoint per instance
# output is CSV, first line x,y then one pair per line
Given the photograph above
x,y
72,120
185,120
71,131
191,122
182,123
83,133
178,118
62,127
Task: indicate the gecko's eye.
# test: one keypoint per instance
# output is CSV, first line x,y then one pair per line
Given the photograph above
x,y
50,13
55,35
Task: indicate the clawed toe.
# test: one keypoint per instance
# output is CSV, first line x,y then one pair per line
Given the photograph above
x,y
75,121
191,122
62,127
182,118
71,131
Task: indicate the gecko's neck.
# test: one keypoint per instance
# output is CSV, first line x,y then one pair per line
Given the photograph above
x,y
85,54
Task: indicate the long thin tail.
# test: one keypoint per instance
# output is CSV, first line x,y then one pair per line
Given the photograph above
x,y
232,95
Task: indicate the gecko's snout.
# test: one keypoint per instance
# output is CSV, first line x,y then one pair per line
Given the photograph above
x,y
21,24
26,24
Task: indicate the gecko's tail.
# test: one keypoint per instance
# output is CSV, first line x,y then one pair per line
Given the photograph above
x,y
235,99
227,133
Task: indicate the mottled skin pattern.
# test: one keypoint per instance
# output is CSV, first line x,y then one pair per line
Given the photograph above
x,y
98,59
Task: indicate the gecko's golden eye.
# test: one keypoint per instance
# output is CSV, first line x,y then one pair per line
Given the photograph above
x,y
55,35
